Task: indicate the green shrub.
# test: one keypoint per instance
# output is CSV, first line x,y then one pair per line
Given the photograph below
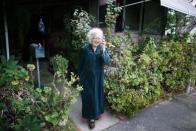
x,y
136,80
133,79
45,108
147,70
78,27
81,24
59,63
145,67
12,74
175,64
125,100
112,12
29,122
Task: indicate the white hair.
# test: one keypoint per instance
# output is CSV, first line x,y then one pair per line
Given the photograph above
x,y
97,32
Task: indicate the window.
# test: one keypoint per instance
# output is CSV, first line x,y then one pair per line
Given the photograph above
x,y
102,13
132,15
119,20
153,17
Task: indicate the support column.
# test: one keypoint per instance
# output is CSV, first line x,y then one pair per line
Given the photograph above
x,y
141,18
6,31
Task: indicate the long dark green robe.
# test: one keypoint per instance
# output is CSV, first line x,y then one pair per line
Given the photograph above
x,y
91,73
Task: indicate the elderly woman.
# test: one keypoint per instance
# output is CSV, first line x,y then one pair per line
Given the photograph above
x,y
91,72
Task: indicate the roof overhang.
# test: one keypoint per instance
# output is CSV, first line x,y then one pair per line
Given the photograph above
x,y
185,6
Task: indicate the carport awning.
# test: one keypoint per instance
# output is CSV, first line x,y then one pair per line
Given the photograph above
x,y
184,6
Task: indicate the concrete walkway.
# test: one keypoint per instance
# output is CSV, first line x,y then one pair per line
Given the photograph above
x,y
75,114
176,114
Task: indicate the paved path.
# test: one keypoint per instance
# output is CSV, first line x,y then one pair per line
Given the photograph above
x,y
177,114
107,121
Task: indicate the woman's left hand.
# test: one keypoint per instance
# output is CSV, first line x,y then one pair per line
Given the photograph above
x,y
103,45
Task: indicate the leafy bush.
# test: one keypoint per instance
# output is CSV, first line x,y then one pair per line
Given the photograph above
x,y
47,108
112,12
59,63
12,74
174,66
147,69
139,73
80,27
29,122
134,76
127,101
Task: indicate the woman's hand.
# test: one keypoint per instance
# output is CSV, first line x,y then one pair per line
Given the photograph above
x,y
103,45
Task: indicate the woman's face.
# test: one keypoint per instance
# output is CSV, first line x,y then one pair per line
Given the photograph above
x,y
95,41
